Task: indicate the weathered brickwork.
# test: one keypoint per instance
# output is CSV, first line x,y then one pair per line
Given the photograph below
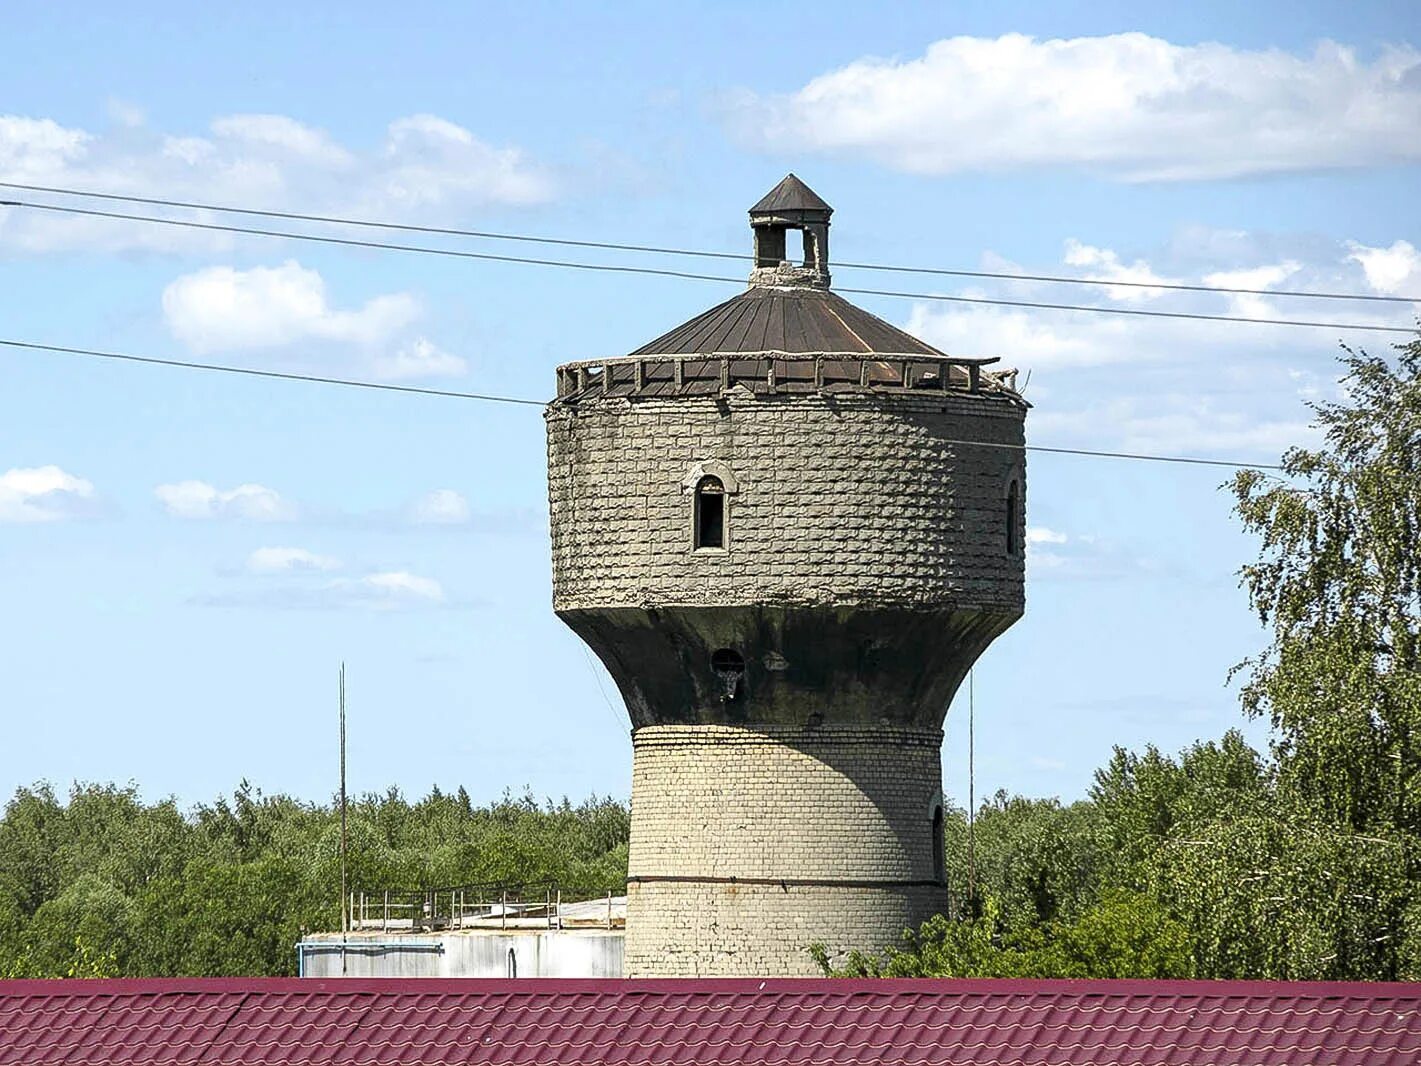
x,y
842,500
840,821
866,566
715,801
680,930
788,677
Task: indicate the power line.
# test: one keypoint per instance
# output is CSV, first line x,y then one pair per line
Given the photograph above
x,y
278,374
487,398
351,242
449,231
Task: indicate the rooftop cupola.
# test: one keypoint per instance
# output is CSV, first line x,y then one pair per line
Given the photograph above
x,y
791,205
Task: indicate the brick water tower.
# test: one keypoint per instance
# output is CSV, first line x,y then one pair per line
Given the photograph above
x,y
788,529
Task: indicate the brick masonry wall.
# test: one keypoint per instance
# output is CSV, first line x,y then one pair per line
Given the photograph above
x,y
795,806
842,499
761,931
866,567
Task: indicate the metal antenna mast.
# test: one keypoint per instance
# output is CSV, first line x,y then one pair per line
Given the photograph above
x,y
344,913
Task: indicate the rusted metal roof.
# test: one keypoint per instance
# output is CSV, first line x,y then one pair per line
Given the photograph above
x,y
790,194
263,1022
786,319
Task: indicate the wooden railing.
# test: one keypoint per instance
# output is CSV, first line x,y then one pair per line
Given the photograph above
x,y
778,371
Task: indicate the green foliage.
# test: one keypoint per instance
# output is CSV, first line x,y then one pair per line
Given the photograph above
x,y
1339,583
1224,863
105,885
1123,934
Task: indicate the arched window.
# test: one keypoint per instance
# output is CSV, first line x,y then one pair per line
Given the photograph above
x,y
939,860
1013,518
710,513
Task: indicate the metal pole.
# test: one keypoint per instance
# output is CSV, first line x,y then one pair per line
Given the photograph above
x,y
344,913
971,792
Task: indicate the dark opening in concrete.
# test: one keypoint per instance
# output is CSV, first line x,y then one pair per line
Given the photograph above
x,y
710,513
729,666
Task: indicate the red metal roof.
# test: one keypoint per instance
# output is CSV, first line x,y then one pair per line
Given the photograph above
x,y
965,1023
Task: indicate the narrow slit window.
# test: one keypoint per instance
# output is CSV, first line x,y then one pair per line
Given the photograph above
x,y
710,513
1013,518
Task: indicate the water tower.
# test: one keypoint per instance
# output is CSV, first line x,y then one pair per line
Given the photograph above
x,y
788,529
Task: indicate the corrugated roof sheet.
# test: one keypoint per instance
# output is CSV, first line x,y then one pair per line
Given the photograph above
x,y
963,1023
763,319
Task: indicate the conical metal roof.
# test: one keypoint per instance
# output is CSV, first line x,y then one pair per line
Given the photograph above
x,y
788,308
791,319
790,194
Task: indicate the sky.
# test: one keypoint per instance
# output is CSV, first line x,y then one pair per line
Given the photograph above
x,y
187,557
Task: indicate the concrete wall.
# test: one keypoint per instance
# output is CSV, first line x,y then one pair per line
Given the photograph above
x,y
554,953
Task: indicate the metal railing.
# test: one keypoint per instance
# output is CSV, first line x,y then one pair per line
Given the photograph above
x,y
496,905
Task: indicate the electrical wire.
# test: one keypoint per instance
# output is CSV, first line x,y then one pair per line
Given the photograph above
x,y
278,374
450,231
488,398
457,253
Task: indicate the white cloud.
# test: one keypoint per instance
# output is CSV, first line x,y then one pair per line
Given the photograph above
x,y
1104,263
1217,390
430,161
34,149
442,507
1042,535
1178,424
125,113
1390,270
43,494
222,308
286,135
289,560
399,586
425,166
385,591
418,358
1130,105
198,499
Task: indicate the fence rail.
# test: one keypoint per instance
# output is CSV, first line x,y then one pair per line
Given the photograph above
x,y
482,906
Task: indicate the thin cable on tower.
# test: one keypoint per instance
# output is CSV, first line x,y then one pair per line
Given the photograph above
x,y
567,242
457,253
971,792
487,398
621,728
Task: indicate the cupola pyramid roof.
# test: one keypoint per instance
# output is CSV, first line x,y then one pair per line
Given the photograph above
x,y
790,194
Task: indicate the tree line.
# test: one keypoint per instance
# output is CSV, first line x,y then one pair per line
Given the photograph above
x,y
1302,862
100,883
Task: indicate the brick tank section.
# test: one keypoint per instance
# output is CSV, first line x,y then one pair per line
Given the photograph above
x,y
866,566
850,499
749,845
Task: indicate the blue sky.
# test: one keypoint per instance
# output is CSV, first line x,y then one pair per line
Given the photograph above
x,y
185,558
